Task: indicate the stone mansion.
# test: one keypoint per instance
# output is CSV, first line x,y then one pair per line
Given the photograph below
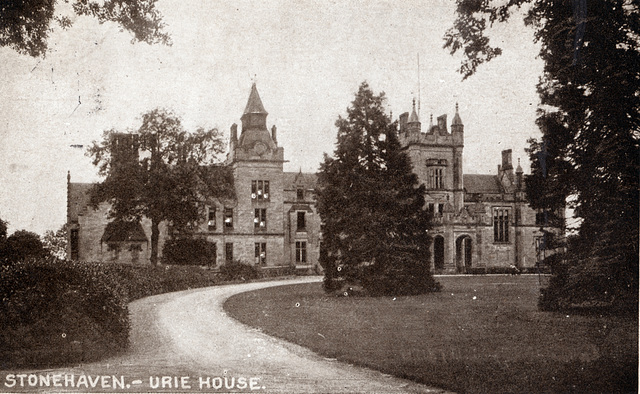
x,y
480,222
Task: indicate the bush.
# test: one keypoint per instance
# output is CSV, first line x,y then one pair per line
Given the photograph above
x,y
275,272
397,275
238,270
20,246
56,313
64,312
189,251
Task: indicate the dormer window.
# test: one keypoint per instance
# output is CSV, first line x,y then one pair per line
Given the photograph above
x,y
300,194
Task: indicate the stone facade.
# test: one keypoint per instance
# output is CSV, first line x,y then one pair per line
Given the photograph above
x,y
272,222
480,222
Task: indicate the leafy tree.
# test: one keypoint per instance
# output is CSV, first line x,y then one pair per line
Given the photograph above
x,y
3,230
25,24
22,245
162,172
373,221
56,242
590,121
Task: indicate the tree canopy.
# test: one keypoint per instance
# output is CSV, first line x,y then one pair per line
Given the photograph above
x,y
55,242
21,245
161,172
371,206
590,122
25,24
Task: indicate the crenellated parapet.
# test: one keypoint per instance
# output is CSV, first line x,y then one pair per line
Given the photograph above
x,y
410,132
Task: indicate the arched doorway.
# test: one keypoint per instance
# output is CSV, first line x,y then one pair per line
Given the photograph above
x,y
463,254
438,253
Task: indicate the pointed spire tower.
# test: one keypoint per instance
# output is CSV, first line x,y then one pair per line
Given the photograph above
x,y
254,116
255,142
255,135
456,123
413,124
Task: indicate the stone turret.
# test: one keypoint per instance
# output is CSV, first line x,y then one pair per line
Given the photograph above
x,y
519,175
254,116
413,124
456,124
255,141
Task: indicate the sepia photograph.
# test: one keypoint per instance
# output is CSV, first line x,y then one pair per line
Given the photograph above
x,y
319,196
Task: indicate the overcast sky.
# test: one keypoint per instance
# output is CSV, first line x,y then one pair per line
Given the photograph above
x,y
307,57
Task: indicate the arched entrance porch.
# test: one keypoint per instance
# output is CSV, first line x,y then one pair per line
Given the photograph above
x,y
464,261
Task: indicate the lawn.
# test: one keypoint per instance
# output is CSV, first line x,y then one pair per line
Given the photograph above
x,y
480,334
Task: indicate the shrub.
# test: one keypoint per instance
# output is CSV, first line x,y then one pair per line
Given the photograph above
x,y
274,272
238,270
64,312
396,275
21,245
189,251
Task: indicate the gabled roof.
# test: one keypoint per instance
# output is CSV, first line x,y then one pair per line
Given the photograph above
x,y
254,104
306,179
484,184
123,231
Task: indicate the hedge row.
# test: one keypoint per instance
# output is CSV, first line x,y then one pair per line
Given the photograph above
x,y
189,251
56,312
60,312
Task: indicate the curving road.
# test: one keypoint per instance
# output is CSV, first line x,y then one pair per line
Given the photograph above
x,y
188,334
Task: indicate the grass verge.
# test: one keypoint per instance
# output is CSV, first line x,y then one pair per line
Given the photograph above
x,y
480,334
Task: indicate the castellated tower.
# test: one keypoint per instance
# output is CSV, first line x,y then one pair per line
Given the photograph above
x,y
436,156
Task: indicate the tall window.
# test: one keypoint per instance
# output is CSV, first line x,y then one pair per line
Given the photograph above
x,y
540,249
228,252
301,251
300,193
228,218
260,219
261,253
211,219
74,244
436,178
501,225
259,190
302,225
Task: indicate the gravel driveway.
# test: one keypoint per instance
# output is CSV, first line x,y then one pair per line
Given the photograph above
x,y
185,342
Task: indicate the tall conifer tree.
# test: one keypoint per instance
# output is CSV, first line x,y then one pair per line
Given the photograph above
x,y
373,223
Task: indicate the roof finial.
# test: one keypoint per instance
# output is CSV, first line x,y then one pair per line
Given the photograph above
x,y
456,117
413,118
